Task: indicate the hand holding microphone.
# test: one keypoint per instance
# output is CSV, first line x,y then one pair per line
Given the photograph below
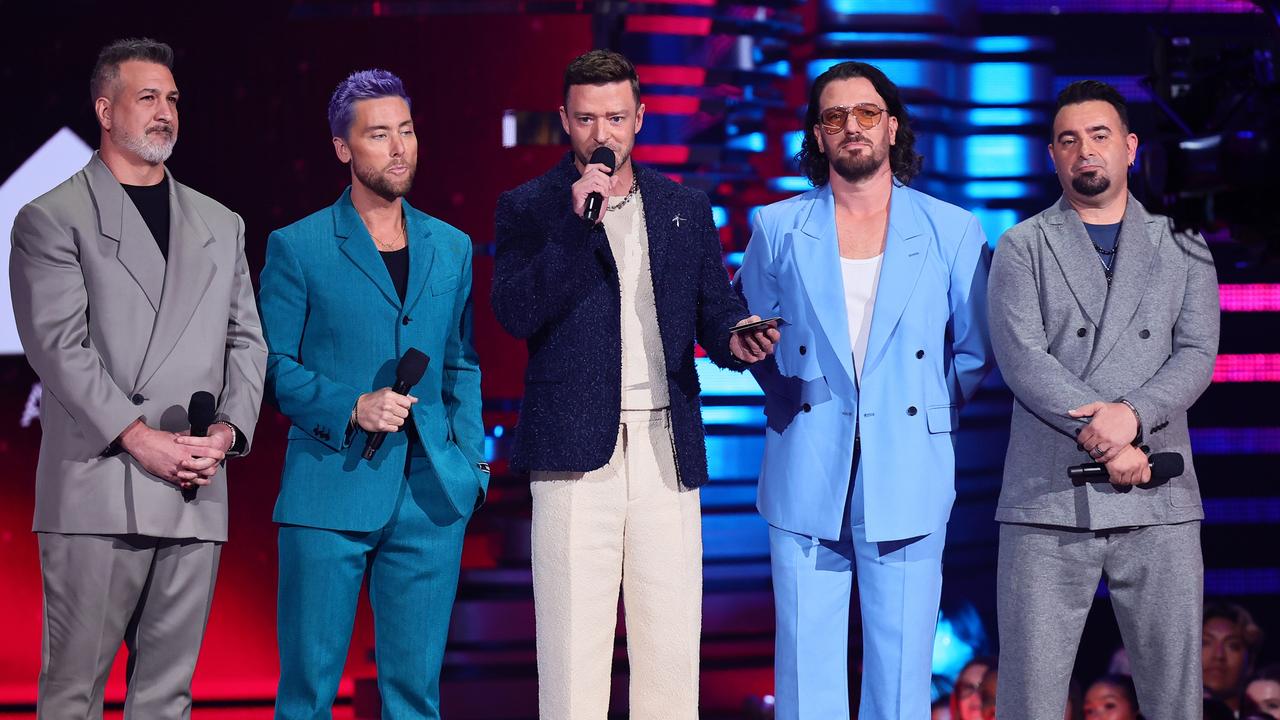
x,y
383,411
590,191
205,454
1131,467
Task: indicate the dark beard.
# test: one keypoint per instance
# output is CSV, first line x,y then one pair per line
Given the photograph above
x,y
1090,184
383,186
855,168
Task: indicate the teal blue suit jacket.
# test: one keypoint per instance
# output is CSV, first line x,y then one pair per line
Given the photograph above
x,y
336,328
928,350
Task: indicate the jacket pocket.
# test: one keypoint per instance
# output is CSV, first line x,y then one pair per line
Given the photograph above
x,y
942,418
440,287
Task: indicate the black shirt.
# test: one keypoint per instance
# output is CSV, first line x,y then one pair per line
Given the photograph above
x,y
1105,237
152,202
397,262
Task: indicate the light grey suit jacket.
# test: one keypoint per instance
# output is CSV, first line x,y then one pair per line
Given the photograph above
x,y
1062,340
116,333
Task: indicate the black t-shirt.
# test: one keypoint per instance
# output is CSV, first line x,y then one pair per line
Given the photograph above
x,y
152,202
1105,237
397,262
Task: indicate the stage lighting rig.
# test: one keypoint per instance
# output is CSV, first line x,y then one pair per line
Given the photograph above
x,y
1214,163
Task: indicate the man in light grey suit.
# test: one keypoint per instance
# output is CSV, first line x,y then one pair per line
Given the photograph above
x,y
131,292
1105,324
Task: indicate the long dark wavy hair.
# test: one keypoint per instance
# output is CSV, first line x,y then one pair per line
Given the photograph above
x,y
904,161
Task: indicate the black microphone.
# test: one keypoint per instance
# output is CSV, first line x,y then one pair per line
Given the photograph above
x,y
1163,466
595,201
200,415
412,365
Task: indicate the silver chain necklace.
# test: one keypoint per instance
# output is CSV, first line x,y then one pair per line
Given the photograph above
x,y
635,188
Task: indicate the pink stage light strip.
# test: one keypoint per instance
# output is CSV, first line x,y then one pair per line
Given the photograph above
x,y
1257,297
668,24
1247,368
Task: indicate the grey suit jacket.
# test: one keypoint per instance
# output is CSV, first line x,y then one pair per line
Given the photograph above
x,y
116,333
1062,341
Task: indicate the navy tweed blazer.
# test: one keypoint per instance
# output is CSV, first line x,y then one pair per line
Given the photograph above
x,y
556,286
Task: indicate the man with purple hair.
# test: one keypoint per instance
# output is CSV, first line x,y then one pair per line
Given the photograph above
x,y
345,292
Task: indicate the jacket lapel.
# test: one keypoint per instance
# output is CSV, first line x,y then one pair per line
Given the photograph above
x,y
187,275
421,255
817,255
1071,247
658,227
355,242
1138,245
904,254
119,220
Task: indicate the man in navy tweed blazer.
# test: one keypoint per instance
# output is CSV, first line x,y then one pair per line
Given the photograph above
x,y
611,426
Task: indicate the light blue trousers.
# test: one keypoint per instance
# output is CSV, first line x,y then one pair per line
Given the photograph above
x,y
899,588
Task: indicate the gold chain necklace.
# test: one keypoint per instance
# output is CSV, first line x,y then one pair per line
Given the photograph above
x,y
383,247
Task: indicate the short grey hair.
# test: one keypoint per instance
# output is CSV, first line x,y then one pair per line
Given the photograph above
x,y
107,70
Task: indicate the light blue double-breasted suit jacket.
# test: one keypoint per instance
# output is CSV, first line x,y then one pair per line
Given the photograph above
x,y
927,353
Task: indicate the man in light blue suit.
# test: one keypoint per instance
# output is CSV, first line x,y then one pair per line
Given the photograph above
x,y
884,289
345,293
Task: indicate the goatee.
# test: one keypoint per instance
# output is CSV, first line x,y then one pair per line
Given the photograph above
x,y
1091,183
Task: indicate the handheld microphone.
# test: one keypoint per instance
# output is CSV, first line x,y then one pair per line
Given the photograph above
x,y
410,369
200,415
595,201
1163,466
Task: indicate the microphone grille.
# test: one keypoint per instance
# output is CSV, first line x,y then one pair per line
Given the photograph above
x,y
412,366
1166,465
604,156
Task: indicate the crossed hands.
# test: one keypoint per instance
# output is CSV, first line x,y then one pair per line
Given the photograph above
x,y
1108,438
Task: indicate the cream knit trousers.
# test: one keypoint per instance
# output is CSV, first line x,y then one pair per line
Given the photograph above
x,y
628,524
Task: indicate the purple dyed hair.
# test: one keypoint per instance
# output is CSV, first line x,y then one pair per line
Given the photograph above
x,y
361,85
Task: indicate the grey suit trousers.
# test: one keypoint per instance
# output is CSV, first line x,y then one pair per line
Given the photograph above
x,y
1046,582
151,593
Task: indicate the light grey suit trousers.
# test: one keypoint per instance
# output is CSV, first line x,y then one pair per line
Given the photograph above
x,y
1047,581
153,592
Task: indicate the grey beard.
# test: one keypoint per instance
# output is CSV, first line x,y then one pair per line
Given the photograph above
x,y
144,148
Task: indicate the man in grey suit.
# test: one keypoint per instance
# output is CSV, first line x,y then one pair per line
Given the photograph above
x,y
1105,324
131,291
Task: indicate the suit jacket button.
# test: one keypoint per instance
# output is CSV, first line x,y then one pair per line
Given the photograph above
x,y
406,320
137,399
919,354
1144,334
806,407
803,350
1081,332
1146,449
911,410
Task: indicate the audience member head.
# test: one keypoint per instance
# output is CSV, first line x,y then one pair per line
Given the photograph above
x,y
1229,648
1263,691
1111,697
966,702
987,691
